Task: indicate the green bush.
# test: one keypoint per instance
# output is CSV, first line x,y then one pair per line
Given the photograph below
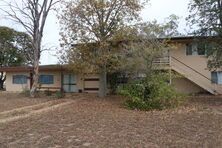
x,y
151,92
113,82
59,94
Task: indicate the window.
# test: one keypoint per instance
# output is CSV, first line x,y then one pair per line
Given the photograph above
x,y
19,79
196,49
46,79
201,48
216,77
189,49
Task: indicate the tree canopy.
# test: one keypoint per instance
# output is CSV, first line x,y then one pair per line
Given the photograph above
x,y
206,19
32,16
14,46
97,22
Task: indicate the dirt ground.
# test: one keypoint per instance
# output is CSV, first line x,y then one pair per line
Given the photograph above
x,y
14,100
87,121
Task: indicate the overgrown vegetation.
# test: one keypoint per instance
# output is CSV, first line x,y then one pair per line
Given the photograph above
x,y
25,92
59,94
113,81
48,92
32,16
206,20
55,94
151,92
14,48
42,94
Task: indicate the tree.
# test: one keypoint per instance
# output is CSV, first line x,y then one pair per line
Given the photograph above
x,y
167,29
32,15
145,60
94,24
13,47
148,42
206,16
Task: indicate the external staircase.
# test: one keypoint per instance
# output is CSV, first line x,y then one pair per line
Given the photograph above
x,y
189,73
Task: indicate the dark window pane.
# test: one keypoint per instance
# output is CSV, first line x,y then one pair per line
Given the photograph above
x,y
214,77
19,79
46,79
219,77
201,48
189,49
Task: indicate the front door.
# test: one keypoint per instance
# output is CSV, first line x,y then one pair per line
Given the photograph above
x,y
69,83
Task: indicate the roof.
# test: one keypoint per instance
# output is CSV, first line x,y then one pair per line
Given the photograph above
x,y
42,68
177,39
190,38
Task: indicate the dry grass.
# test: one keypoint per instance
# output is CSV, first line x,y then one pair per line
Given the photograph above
x,y
24,112
89,121
9,101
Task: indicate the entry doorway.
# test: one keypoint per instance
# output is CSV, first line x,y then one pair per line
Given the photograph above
x,y
69,83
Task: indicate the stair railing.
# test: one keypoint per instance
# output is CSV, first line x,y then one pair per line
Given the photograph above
x,y
191,68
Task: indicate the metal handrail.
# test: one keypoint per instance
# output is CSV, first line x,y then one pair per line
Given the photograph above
x,y
162,60
191,68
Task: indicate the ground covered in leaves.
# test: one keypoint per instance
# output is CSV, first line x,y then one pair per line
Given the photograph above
x,y
15,100
87,121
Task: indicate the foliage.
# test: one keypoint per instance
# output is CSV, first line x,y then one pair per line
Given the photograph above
x,y
32,16
206,16
152,92
99,35
95,24
14,46
113,82
25,92
165,30
59,94
145,47
48,92
11,47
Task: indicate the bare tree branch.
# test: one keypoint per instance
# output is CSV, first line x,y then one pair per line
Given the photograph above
x,y
32,15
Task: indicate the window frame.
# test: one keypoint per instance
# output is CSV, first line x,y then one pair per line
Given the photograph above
x,y
47,82
21,81
216,77
201,47
193,49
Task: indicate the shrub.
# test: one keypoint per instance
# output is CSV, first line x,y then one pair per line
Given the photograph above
x,y
48,92
59,94
113,82
25,92
151,92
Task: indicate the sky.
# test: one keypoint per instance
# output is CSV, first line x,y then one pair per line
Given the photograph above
x,y
156,9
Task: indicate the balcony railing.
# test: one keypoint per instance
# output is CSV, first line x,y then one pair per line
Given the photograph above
x,y
162,61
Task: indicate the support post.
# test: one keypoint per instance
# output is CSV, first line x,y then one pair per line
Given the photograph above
x,y
170,69
62,75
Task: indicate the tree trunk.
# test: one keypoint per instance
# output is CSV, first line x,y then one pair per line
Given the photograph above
x,y
2,80
1,84
35,79
102,83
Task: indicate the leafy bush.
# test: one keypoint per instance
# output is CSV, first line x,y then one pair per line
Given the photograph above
x,y
151,92
59,94
25,92
113,82
48,92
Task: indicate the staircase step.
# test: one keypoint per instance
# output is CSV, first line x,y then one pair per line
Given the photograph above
x,y
193,77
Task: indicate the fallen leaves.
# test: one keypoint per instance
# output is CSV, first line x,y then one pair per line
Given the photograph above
x,y
93,122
